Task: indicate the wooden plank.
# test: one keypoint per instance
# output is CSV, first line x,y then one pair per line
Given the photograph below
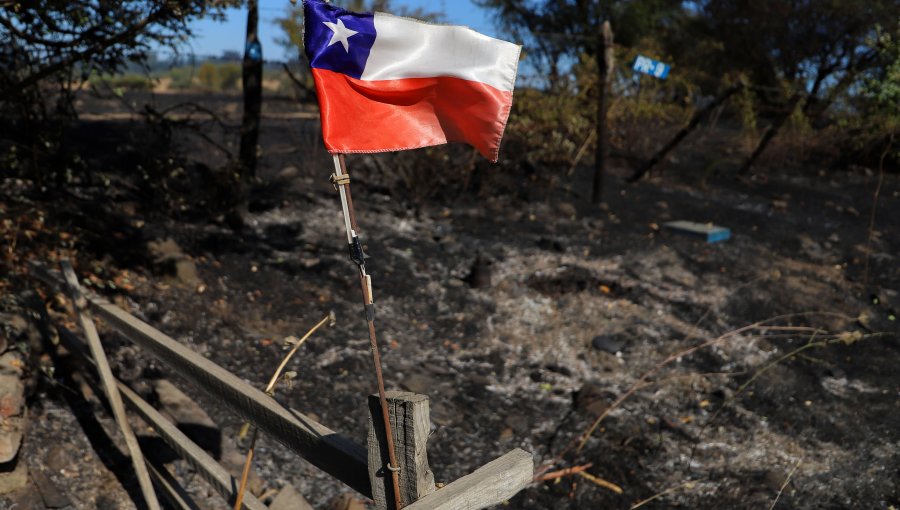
x,y
331,452
411,424
210,470
109,385
491,484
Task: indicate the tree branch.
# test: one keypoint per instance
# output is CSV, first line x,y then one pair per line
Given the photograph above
x,y
84,54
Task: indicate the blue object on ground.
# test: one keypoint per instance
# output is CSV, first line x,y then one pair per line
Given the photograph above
x,y
711,233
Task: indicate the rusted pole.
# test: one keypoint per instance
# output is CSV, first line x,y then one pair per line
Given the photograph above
x,y
605,63
341,180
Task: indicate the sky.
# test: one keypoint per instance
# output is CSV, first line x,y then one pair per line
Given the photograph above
x,y
212,38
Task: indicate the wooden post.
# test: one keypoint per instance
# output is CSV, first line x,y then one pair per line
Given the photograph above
x,y
251,80
411,423
605,63
79,303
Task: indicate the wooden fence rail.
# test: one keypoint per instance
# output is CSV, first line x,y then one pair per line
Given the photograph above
x,y
210,470
356,466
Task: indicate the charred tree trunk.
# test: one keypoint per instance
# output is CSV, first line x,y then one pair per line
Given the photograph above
x,y
605,64
252,84
685,131
771,132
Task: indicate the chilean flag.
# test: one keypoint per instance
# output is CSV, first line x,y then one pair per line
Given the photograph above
x,y
387,83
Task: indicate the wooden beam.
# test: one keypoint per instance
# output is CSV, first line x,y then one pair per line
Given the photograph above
x,y
411,424
210,470
491,484
109,385
324,448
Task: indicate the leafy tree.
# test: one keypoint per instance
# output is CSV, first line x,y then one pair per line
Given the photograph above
x,y
813,45
880,97
556,33
49,47
208,77
229,76
49,39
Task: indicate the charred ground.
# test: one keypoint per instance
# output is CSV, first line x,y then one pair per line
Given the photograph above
x,y
580,301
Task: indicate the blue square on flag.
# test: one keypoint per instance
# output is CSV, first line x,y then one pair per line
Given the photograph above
x,y
340,40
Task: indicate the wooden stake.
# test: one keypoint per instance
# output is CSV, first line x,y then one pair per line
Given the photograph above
x,y
605,63
251,81
410,417
270,391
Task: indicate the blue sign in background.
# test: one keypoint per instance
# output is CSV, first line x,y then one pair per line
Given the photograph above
x,y
652,67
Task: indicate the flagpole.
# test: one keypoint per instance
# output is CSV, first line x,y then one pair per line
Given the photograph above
x,y
341,181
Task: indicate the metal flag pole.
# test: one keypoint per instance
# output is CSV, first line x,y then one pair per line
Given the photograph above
x,y
341,181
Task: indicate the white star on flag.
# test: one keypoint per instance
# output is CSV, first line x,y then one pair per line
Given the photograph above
x,y
341,33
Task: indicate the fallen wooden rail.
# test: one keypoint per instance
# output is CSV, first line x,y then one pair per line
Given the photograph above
x,y
331,452
354,465
210,470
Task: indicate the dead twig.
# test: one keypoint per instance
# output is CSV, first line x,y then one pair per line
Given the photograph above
x,y
884,154
556,475
642,381
785,484
580,153
270,390
761,325
686,485
846,338
601,482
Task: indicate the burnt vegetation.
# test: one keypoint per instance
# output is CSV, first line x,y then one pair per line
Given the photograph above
x,y
534,315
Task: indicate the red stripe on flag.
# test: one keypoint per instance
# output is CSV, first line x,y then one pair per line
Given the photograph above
x,y
390,115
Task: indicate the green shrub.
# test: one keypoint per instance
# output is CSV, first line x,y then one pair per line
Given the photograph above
x,y
182,78
229,76
208,77
123,82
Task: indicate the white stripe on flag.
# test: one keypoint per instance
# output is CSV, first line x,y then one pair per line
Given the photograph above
x,y
406,48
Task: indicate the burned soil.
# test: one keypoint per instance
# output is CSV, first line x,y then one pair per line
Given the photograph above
x,y
524,317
